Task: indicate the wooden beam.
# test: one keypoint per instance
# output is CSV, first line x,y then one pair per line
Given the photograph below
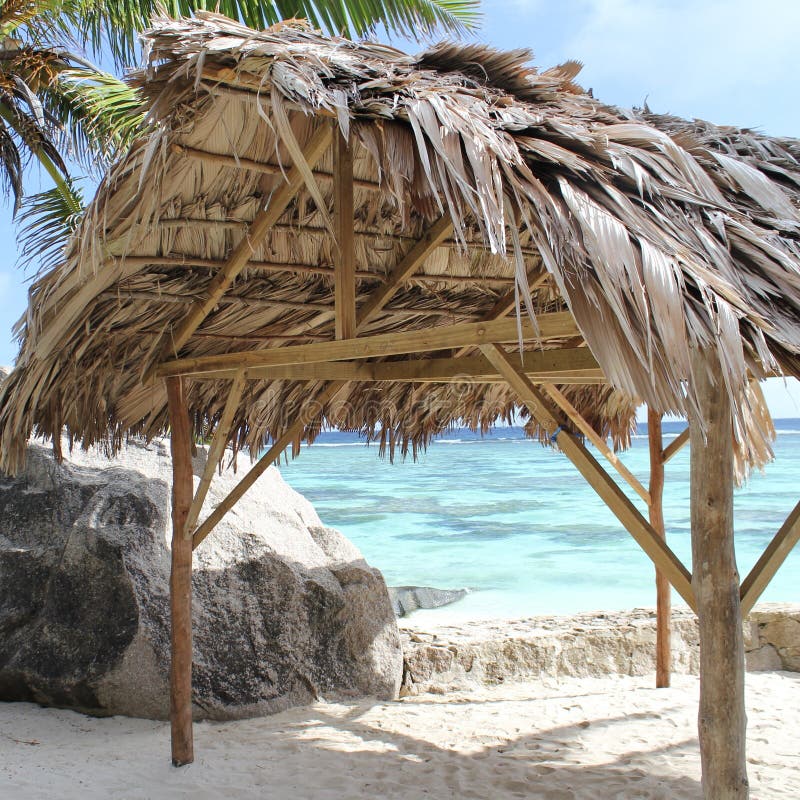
x,y
397,371
250,165
551,326
663,591
122,294
641,530
765,568
134,263
568,365
538,362
289,436
180,579
344,225
722,719
408,265
320,230
260,226
675,445
215,452
589,432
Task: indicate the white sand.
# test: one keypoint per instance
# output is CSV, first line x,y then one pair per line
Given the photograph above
x,y
589,738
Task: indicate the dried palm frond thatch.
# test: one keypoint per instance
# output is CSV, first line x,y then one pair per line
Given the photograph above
x,y
659,235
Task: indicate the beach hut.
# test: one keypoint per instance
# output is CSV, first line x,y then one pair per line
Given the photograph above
x,y
312,231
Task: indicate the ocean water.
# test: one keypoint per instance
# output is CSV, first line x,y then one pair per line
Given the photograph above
x,y
516,524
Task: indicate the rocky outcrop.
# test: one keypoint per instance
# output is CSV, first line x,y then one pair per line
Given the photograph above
x,y
285,610
406,599
772,637
585,645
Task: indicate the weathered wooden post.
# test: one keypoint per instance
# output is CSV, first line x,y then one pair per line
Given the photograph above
x,y
663,588
180,580
715,580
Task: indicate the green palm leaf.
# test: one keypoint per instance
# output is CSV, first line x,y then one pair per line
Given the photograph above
x,y
46,221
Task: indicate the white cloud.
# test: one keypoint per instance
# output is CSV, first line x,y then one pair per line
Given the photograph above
x,y
732,61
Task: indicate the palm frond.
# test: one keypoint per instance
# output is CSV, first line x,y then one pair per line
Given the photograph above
x,y
37,20
46,220
115,26
38,141
97,115
11,166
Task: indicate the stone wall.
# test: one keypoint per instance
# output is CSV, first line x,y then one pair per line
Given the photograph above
x,y
585,645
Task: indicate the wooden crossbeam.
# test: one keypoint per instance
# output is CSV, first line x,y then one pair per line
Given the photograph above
x,y
215,452
641,530
344,286
765,568
134,263
675,445
598,441
260,226
550,326
408,265
572,361
573,365
250,165
289,436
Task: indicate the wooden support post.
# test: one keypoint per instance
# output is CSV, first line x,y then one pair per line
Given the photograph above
x,y
344,225
627,513
766,566
675,445
215,452
289,437
715,581
180,579
591,434
663,589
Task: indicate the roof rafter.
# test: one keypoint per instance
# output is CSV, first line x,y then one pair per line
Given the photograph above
x,y
434,235
260,226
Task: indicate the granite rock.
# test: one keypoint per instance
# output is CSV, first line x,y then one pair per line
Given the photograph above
x,y
285,610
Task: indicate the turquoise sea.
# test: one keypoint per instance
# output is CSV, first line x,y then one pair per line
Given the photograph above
x,y
517,525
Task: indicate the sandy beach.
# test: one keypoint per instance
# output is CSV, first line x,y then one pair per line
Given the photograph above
x,y
586,738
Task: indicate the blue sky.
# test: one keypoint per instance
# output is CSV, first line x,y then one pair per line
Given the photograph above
x,y
728,61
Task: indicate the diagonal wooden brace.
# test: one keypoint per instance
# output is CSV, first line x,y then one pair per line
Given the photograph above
x,y
766,566
598,441
641,530
288,437
675,445
215,452
406,267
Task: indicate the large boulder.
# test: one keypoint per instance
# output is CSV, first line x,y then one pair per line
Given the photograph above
x,y
285,610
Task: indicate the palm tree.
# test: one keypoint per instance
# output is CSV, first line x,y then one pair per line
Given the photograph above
x,y
57,107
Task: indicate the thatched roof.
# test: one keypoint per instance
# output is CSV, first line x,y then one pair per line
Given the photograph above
x,y
657,234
